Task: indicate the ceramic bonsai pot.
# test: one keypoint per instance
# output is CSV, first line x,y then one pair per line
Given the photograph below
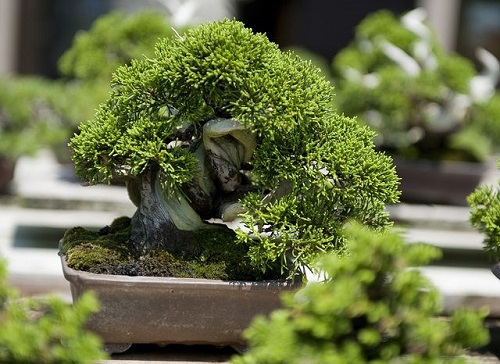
x,y
445,182
164,310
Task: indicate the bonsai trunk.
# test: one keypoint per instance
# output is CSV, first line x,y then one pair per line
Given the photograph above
x,y
152,226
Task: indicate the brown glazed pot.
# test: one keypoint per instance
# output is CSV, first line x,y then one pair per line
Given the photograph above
x,y
164,310
448,182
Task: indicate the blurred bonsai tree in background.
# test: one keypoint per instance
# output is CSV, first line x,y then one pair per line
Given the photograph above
x,y
86,67
423,103
45,330
372,307
113,40
28,121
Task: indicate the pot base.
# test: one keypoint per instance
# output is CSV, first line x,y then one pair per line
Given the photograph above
x,y
116,348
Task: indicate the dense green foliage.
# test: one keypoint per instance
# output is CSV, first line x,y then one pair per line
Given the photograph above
x,y
28,120
421,100
306,169
45,330
373,307
485,216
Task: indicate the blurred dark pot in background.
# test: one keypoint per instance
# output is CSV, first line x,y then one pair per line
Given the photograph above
x,y
438,182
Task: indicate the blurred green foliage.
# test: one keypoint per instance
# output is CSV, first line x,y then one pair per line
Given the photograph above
x,y
28,116
484,203
45,330
372,307
36,113
113,40
424,105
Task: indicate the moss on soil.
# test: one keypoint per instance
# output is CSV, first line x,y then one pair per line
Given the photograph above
x,y
216,255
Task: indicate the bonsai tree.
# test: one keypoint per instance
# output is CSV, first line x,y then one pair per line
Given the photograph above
x,y
114,39
423,102
45,330
366,311
484,203
221,126
28,121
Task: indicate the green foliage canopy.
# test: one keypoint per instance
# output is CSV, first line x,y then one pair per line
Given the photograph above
x,y
311,168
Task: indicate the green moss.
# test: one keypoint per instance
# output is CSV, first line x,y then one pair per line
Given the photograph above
x,y
218,249
215,255
161,263
98,251
222,260
114,237
76,236
121,224
95,258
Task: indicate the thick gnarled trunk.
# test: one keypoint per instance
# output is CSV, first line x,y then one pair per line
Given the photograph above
x,y
152,224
